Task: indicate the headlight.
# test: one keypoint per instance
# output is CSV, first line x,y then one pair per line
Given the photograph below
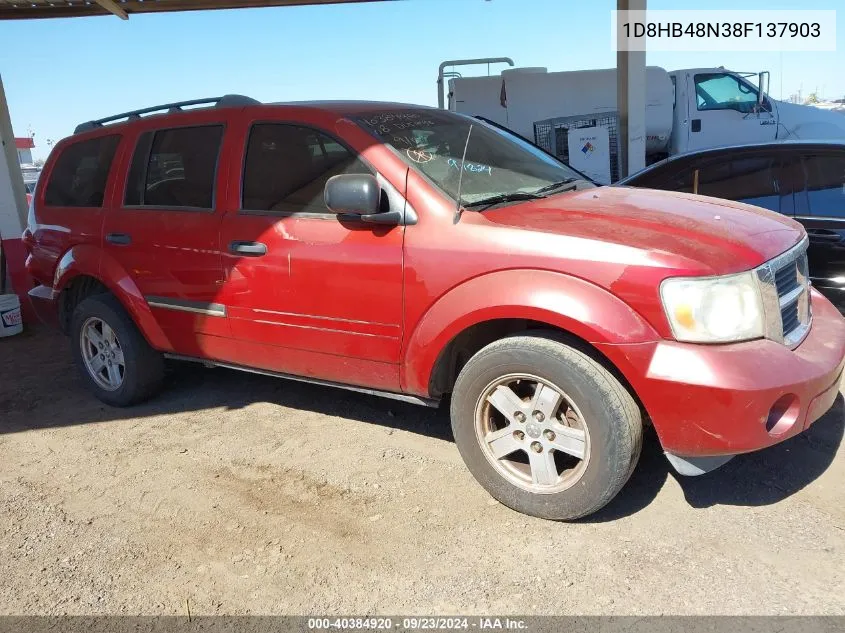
x,y
714,309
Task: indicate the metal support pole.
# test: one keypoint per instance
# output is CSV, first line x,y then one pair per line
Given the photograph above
x,y
631,101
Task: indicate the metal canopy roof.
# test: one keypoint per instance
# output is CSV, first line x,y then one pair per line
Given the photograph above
x,y
29,9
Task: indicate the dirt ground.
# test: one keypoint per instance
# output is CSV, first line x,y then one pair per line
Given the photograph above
x,y
244,494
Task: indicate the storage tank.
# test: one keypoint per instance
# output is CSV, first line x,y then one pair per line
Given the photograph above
x,y
519,98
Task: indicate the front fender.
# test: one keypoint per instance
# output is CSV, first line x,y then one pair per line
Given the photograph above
x,y
815,131
561,301
85,259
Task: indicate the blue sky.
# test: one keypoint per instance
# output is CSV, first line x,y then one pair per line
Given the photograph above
x,y
58,73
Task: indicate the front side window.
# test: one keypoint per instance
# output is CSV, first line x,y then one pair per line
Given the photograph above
x,y
748,180
723,91
287,167
80,174
175,168
497,164
825,188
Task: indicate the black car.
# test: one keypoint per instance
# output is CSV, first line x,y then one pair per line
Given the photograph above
x,y
802,179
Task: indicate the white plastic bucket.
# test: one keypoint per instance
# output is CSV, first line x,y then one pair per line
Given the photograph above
x,y
10,315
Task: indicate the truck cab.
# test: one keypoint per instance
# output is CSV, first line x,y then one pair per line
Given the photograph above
x,y
716,107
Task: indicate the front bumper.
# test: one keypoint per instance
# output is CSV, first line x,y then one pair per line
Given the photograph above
x,y
721,400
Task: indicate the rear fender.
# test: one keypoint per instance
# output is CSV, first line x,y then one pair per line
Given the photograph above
x,y
85,259
561,301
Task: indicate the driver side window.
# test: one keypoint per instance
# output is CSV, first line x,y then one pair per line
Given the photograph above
x,y
287,167
722,91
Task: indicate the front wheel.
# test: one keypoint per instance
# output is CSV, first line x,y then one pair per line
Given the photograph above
x,y
546,429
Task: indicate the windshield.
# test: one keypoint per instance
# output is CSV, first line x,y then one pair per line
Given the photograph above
x,y
724,91
497,164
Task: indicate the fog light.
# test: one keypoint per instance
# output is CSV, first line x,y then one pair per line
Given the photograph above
x,y
783,414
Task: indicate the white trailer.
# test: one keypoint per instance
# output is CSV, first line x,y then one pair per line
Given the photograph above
x,y
685,109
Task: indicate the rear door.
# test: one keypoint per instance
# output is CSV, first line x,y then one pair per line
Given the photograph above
x,y
820,207
69,209
164,228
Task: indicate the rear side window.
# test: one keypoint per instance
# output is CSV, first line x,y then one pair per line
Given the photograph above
x,y
287,167
825,195
80,174
175,168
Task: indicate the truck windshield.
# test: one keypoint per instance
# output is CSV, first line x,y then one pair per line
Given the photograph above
x,y
496,166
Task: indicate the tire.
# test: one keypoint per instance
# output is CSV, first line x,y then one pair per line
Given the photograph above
x,y
602,417
143,367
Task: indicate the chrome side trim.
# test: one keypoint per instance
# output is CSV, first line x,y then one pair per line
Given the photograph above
x,y
322,318
180,305
325,329
426,402
818,217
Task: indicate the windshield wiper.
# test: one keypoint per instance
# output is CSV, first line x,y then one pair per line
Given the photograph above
x,y
516,196
558,185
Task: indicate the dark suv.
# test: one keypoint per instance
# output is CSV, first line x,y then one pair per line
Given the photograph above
x,y
415,253
804,180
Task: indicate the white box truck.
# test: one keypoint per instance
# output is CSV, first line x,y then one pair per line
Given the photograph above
x,y
686,109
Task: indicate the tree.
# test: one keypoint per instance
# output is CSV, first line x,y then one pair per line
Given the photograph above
x,y
812,98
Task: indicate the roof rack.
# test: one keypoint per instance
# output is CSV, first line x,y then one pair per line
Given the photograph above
x,y
226,101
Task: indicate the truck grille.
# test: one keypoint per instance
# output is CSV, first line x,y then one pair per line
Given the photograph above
x,y
786,295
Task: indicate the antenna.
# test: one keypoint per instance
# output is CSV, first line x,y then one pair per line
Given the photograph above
x,y
461,176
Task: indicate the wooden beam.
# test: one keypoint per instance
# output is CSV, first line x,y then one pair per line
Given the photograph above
x,y
31,10
112,7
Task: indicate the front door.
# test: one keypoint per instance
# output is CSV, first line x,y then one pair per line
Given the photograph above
x,y
723,111
308,293
820,207
164,231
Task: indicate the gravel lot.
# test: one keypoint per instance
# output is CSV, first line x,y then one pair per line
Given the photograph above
x,y
244,494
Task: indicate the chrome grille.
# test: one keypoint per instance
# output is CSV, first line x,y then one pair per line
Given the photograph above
x,y
786,295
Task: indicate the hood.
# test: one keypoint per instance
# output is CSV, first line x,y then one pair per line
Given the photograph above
x,y
713,235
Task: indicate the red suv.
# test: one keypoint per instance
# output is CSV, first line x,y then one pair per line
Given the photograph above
x,y
414,253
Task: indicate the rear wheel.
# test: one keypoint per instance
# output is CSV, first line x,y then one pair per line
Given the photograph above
x,y
115,360
545,428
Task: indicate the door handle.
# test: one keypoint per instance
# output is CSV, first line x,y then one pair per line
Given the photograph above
x,y
824,235
121,239
696,125
250,249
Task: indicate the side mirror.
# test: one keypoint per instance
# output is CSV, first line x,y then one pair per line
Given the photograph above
x,y
353,194
762,87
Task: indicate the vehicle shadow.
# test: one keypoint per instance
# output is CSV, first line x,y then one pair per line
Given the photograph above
x,y
755,479
234,389
40,388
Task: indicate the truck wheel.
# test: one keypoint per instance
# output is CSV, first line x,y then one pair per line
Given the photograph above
x,y
544,428
115,360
